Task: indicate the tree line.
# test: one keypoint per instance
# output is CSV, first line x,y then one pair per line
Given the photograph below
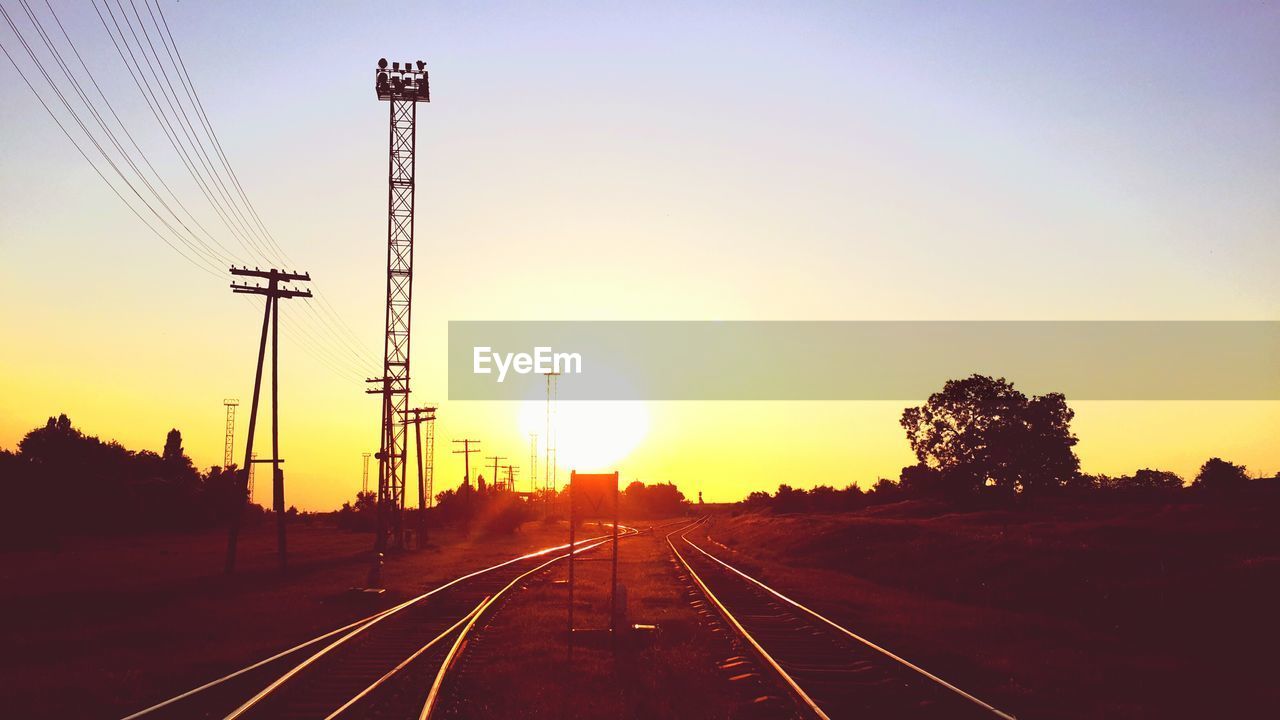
x,y
495,511
981,439
60,481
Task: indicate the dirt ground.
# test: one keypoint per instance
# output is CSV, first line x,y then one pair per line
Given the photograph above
x,y
1063,612
109,626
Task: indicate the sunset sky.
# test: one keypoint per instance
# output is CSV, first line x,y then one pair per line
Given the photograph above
x,y
1084,161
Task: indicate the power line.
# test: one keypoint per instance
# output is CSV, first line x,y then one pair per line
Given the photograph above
x,y
80,123
237,218
194,262
198,164
88,73
185,78
179,114
200,245
346,357
153,104
351,339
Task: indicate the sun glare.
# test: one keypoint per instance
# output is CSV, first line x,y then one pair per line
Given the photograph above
x,y
590,436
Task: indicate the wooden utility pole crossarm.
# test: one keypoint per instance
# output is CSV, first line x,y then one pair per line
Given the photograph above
x,y
273,292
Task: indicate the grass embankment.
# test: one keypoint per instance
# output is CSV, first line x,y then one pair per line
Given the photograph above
x,y
104,627
1057,611
517,665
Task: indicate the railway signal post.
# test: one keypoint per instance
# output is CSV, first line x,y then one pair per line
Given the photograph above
x,y
589,496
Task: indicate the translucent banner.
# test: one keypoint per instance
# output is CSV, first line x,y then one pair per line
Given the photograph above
x,y
858,360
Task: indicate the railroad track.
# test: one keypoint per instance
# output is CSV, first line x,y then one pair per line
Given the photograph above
x,y
830,671
382,666
443,699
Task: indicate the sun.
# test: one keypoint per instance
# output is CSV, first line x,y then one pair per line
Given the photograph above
x,y
589,435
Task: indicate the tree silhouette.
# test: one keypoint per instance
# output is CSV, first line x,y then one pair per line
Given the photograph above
x,y
920,479
982,432
1145,479
1218,475
178,468
789,500
884,490
173,447
1149,479
64,481
657,500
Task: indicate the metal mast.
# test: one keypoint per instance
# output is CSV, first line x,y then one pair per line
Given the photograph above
x,y
431,460
229,446
253,461
549,470
403,87
548,484
533,465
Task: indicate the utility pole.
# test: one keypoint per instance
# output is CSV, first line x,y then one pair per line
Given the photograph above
x,y
389,513
402,88
274,291
495,459
512,471
364,484
466,456
548,483
228,448
533,464
417,416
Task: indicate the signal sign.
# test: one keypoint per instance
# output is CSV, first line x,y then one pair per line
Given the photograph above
x,y
594,495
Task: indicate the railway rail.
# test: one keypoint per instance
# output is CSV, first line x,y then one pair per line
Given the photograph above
x,y
443,701
380,666
830,671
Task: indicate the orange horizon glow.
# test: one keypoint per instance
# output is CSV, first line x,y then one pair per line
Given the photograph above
x,y
747,162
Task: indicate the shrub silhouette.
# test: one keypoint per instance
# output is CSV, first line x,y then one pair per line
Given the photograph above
x,y
1218,475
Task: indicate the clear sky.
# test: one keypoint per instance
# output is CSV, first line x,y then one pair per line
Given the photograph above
x,y
657,161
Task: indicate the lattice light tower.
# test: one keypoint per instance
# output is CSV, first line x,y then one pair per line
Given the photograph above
x,y
253,462
533,465
403,87
431,460
229,446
